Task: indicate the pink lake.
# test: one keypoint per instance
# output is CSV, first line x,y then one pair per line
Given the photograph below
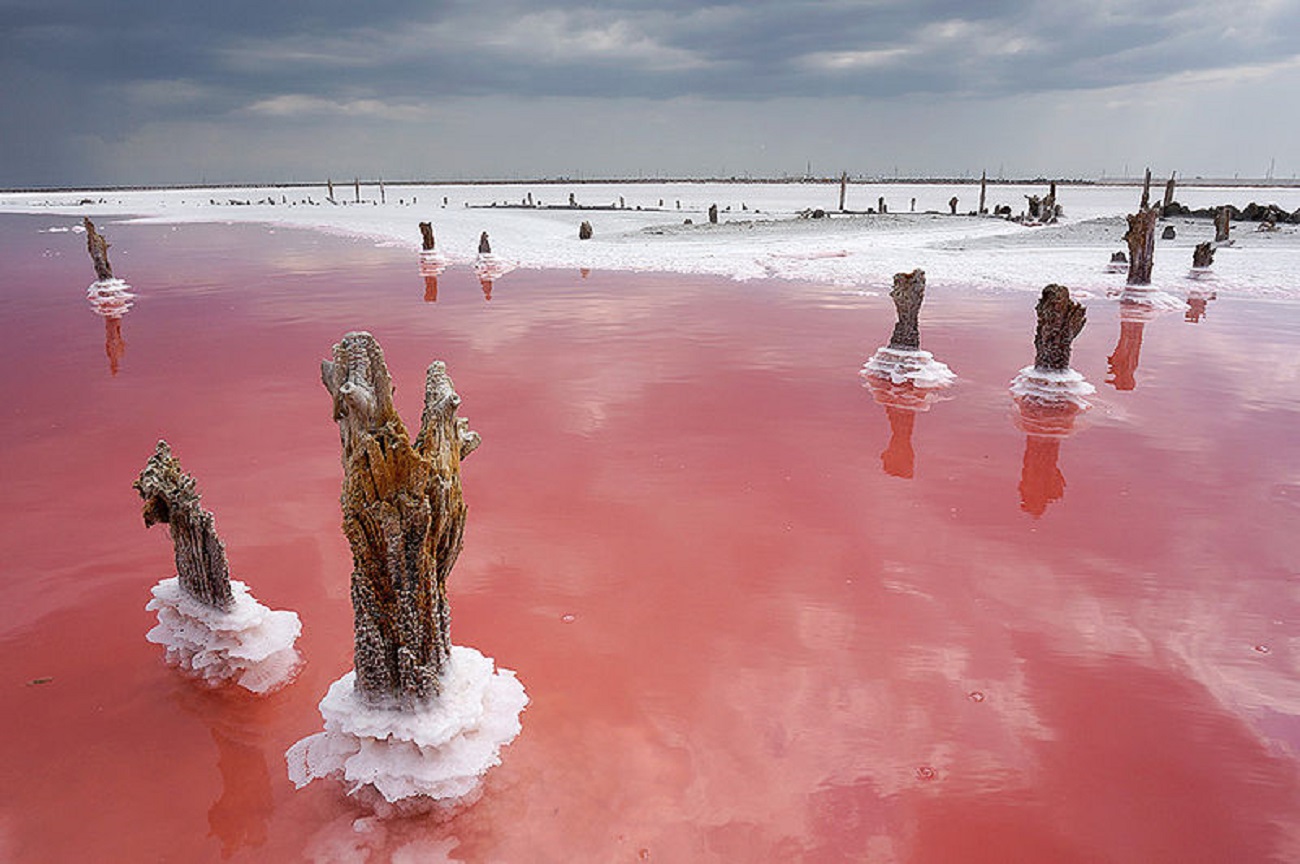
x,y
761,616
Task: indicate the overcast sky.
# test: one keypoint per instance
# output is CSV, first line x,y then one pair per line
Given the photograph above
x,y
129,91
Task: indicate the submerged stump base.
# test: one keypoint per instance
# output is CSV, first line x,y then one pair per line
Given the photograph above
x,y
248,644
415,758
1035,387
908,366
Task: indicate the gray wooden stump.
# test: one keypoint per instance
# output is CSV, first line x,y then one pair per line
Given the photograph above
x,y
1203,254
97,246
1141,239
1060,320
908,293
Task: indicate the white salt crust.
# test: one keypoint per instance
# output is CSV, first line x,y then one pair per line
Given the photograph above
x,y
1051,386
250,645
1150,298
432,754
489,266
908,365
110,297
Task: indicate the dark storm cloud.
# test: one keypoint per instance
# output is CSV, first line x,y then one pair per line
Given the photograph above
x,y
94,70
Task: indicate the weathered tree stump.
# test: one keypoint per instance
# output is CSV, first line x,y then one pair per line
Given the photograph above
x,y
844,189
952,205
880,204
170,496
484,246
1060,320
713,214
426,236
1203,254
573,201
1118,258
984,184
404,517
1222,224
908,293
1169,233
1141,239
1169,194
356,186
383,196
330,185
1146,191
584,230
97,246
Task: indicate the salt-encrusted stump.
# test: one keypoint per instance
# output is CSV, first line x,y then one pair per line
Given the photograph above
x,y
584,230
97,246
902,360
426,237
417,721
1203,255
1141,239
1050,379
484,245
1222,224
210,624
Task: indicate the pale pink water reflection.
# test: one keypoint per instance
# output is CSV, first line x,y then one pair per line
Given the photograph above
x,y
759,618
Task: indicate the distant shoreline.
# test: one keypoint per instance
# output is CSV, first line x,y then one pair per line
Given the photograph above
x,y
1201,182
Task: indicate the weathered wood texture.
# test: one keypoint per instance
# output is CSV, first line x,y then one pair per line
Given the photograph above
x,y
1141,239
585,230
1222,224
97,246
1060,320
404,517
484,245
426,236
170,496
1169,192
1146,191
908,293
984,185
1203,254
844,189
713,214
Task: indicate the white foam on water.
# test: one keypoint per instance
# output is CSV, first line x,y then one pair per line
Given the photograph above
x,y
434,754
249,645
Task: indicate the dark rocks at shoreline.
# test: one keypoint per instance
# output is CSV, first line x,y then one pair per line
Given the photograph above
x,y
1252,212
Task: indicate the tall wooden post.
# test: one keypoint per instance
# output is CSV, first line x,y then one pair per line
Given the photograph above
x,y
1222,225
713,214
984,183
1141,238
356,185
426,236
1169,194
330,185
383,198
1146,191
844,188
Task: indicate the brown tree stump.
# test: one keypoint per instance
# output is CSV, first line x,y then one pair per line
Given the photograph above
x,y
170,496
584,230
1203,254
426,236
484,246
1222,224
844,189
1169,193
713,214
1060,320
1146,191
97,246
984,184
952,205
908,293
1141,239
404,517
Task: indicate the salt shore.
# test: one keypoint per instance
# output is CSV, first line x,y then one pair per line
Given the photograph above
x,y
760,233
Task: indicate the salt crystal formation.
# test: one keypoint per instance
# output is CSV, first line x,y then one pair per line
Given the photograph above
x,y
418,721
1050,379
902,360
211,626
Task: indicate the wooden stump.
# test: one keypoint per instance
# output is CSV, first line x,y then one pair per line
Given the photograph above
x,y
356,185
170,496
1222,224
984,183
584,230
1141,239
1060,320
844,189
1203,254
404,517
908,294
97,246
330,185
1169,193
484,246
426,236
880,205
713,214
952,205
1146,192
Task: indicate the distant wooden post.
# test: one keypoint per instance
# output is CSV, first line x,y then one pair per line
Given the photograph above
x,y
1203,254
584,230
952,205
713,214
880,205
1169,193
1141,238
356,185
426,236
484,247
1146,192
97,246
573,202
844,188
330,184
383,196
984,183
1222,225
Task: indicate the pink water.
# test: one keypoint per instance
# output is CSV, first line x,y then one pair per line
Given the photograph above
x,y
761,615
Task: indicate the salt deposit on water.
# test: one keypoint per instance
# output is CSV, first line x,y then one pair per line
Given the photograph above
x,y
249,645
760,233
909,365
432,755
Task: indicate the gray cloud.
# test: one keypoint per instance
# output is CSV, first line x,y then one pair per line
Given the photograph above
x,y
87,75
